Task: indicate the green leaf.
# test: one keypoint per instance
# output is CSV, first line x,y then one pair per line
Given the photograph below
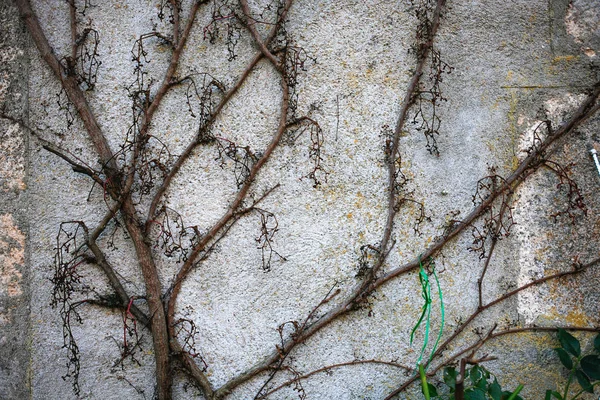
x,y
514,395
432,390
510,395
597,343
424,384
584,382
450,374
476,375
482,384
474,394
565,358
551,393
486,373
591,366
495,390
569,342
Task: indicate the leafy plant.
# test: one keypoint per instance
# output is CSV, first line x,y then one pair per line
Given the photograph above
x,y
477,384
584,368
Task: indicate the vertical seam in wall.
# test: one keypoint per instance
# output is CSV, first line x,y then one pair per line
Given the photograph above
x,y
27,151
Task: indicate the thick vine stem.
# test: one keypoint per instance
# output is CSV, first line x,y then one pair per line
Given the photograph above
x,y
71,86
191,367
160,336
251,25
73,23
176,21
145,259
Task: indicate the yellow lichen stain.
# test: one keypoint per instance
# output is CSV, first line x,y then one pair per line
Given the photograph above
x,y
532,18
389,79
566,312
360,199
352,80
560,59
349,215
491,146
12,254
577,318
561,63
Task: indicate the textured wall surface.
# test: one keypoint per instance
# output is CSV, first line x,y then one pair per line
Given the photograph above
x,y
515,63
14,285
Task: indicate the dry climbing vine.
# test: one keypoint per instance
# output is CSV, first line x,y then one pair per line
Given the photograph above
x,y
135,179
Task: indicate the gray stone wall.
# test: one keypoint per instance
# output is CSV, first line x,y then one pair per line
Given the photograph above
x,y
515,64
14,216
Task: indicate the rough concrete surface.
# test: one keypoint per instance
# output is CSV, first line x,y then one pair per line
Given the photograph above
x,y
14,283
515,64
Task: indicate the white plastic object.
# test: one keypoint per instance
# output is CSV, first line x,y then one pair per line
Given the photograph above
x,y
595,157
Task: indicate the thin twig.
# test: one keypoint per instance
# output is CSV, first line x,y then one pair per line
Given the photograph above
x,y
76,163
168,79
331,367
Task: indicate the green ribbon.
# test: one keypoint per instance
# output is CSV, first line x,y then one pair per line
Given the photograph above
x,y
426,312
